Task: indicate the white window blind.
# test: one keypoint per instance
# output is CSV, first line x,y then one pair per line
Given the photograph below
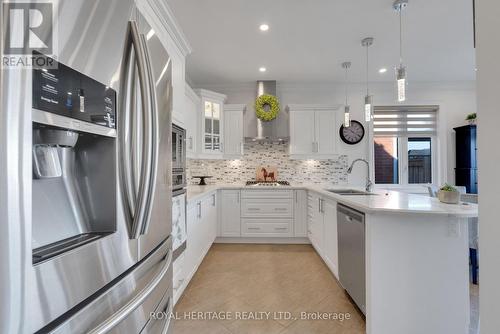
x,y
405,121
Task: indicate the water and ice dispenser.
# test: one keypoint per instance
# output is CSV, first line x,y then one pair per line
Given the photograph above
x,y
74,161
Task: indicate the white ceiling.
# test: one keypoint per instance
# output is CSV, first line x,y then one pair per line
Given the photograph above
x,y
308,40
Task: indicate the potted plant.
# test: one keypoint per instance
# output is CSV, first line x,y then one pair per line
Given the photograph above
x,y
449,194
471,118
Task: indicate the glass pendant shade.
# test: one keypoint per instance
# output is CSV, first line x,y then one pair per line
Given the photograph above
x,y
368,108
347,116
401,77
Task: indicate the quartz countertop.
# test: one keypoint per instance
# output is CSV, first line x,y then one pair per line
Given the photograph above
x,y
382,201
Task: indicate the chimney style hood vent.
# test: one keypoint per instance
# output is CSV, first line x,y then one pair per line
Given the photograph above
x,y
275,131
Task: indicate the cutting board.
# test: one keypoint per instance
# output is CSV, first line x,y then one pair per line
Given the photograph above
x,y
266,173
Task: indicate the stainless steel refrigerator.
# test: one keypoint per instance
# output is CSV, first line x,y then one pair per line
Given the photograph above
x,y
85,205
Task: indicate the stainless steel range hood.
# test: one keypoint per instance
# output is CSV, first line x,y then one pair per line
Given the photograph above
x,y
272,131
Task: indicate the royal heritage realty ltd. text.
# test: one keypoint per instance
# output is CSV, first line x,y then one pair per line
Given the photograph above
x,y
249,316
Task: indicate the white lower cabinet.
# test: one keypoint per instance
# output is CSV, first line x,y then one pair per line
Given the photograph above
x,y
201,232
300,214
322,229
230,213
315,221
267,213
330,241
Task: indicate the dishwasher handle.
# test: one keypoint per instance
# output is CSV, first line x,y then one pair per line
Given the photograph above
x,y
350,214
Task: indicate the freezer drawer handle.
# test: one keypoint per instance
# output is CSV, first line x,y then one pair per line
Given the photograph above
x,y
135,302
168,310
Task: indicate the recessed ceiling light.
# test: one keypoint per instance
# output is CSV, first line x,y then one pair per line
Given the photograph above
x,y
262,69
264,27
382,70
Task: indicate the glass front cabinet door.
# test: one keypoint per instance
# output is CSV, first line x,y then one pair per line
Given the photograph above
x,y
211,122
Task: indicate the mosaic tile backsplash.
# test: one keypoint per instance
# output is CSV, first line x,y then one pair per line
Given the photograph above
x,y
297,171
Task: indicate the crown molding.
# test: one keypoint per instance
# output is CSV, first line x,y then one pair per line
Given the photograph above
x,y
164,19
211,95
302,107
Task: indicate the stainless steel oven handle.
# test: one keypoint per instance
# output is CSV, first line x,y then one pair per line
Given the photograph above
x,y
135,302
153,113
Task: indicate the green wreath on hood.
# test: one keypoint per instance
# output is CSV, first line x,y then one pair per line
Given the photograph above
x,y
273,107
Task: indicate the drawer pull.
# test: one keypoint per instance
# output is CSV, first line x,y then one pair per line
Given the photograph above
x,y
280,209
254,228
281,228
253,209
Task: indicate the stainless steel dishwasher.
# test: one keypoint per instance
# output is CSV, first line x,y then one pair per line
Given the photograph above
x,y
351,241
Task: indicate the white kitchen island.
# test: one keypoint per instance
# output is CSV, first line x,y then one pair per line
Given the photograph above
x,y
416,250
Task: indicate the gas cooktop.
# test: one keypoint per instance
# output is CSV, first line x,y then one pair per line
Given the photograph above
x,y
268,183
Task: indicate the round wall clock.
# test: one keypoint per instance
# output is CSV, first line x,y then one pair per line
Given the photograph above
x,y
353,134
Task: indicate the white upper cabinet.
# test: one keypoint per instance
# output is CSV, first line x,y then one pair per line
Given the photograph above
x,y
192,107
211,121
233,130
313,131
326,132
302,140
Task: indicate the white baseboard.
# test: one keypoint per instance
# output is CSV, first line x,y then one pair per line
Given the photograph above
x,y
261,240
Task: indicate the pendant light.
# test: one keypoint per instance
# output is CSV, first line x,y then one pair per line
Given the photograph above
x,y
367,42
347,115
398,6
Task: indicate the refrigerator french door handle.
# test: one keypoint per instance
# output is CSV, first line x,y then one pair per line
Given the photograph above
x,y
124,133
135,302
153,114
136,207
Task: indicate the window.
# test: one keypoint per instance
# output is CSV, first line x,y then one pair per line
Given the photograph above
x,y
419,160
386,160
404,145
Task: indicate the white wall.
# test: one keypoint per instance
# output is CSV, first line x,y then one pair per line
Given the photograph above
x,y
488,54
456,100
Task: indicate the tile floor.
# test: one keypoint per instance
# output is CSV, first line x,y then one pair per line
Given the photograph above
x,y
262,278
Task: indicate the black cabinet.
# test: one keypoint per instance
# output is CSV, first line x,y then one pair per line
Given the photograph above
x,y
466,158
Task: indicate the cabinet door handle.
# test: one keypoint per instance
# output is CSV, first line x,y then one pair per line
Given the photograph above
x,y
319,204
238,199
199,209
213,199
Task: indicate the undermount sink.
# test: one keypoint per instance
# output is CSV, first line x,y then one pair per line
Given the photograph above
x,y
350,192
